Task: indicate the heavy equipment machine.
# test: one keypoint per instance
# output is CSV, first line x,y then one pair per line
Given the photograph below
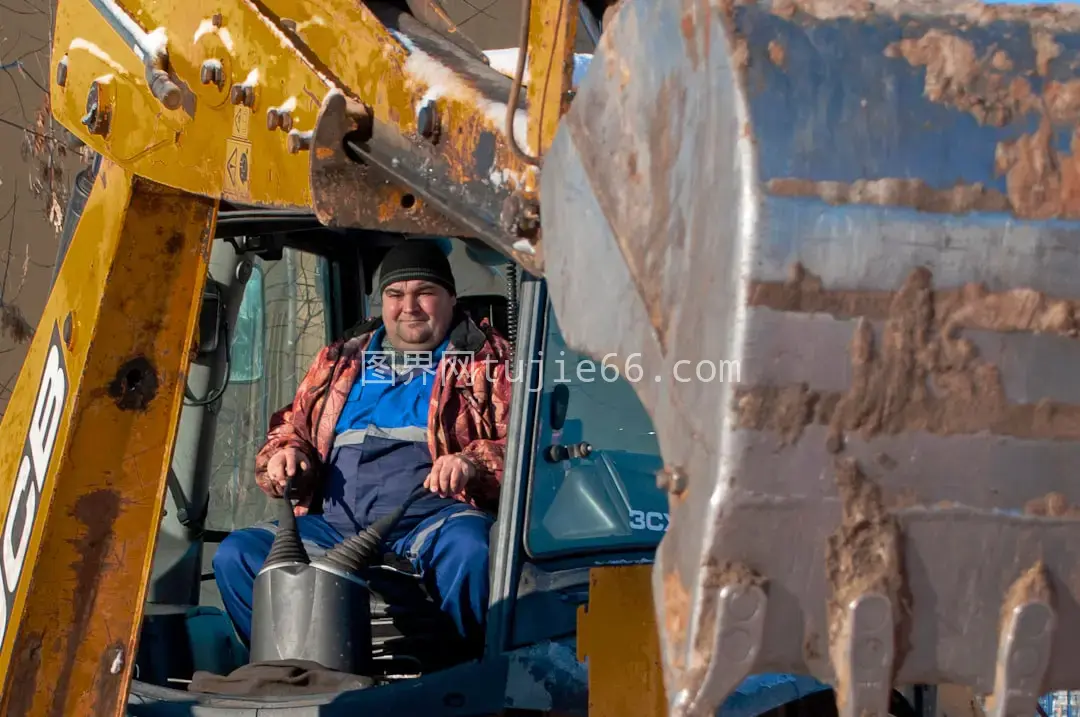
x,y
868,208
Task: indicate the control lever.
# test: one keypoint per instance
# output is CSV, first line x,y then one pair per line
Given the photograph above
x,y
363,550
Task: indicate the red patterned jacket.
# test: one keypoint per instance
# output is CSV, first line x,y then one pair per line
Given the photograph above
x,y
469,410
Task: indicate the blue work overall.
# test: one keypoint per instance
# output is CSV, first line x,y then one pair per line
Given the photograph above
x,y
380,454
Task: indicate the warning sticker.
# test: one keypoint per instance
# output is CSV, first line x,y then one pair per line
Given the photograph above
x,y
241,122
237,168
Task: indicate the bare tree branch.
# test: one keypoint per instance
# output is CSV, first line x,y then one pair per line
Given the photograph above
x,y
32,11
11,239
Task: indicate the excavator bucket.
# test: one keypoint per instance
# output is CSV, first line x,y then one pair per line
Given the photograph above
x,y
834,246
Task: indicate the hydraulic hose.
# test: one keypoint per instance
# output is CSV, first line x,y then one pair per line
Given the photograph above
x,y
362,550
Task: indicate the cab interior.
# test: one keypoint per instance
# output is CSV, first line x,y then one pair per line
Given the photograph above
x,y
280,288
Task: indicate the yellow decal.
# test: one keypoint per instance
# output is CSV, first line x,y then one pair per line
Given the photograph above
x,y
241,121
237,169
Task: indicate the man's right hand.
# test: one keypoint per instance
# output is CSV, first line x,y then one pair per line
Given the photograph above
x,y
288,464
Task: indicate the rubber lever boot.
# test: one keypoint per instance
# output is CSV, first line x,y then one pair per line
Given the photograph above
x,y
360,551
287,546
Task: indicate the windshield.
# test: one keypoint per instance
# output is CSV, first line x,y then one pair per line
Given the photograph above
x,y
607,499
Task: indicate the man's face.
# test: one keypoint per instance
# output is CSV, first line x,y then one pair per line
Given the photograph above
x,y
417,314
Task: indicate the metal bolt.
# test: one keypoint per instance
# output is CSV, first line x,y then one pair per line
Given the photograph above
x,y
299,141
217,19
61,71
278,118
96,118
520,216
673,480
289,25
427,120
242,95
212,73
165,90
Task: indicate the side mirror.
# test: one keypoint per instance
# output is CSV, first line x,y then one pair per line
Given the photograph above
x,y
560,402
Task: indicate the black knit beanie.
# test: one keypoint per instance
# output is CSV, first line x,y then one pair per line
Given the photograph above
x,y
416,259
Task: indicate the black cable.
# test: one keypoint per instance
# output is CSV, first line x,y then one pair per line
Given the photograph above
x,y
213,396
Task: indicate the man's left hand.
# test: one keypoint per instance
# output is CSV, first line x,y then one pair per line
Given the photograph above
x,y
449,474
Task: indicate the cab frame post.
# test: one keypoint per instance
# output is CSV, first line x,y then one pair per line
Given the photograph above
x,y
91,426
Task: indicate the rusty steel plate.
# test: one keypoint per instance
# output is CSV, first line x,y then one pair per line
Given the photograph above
x,y
840,241
346,192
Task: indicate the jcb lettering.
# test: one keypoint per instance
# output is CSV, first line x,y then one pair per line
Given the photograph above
x,y
23,506
656,522
29,482
46,420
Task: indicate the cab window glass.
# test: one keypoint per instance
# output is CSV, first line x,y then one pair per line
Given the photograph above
x,y
607,498
281,326
246,348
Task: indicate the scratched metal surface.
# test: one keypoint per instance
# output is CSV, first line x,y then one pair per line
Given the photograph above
x,y
709,151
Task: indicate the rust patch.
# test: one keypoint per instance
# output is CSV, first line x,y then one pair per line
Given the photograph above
x,y
676,617
1032,586
914,193
717,575
25,664
919,375
1042,183
689,35
785,9
1059,18
777,55
956,76
863,555
175,243
346,193
1001,62
803,292
1046,50
1061,101
96,511
1053,505
784,410
135,385
971,306
891,386
731,573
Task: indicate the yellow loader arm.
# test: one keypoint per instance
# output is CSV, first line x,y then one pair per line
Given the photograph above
x,y
866,211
